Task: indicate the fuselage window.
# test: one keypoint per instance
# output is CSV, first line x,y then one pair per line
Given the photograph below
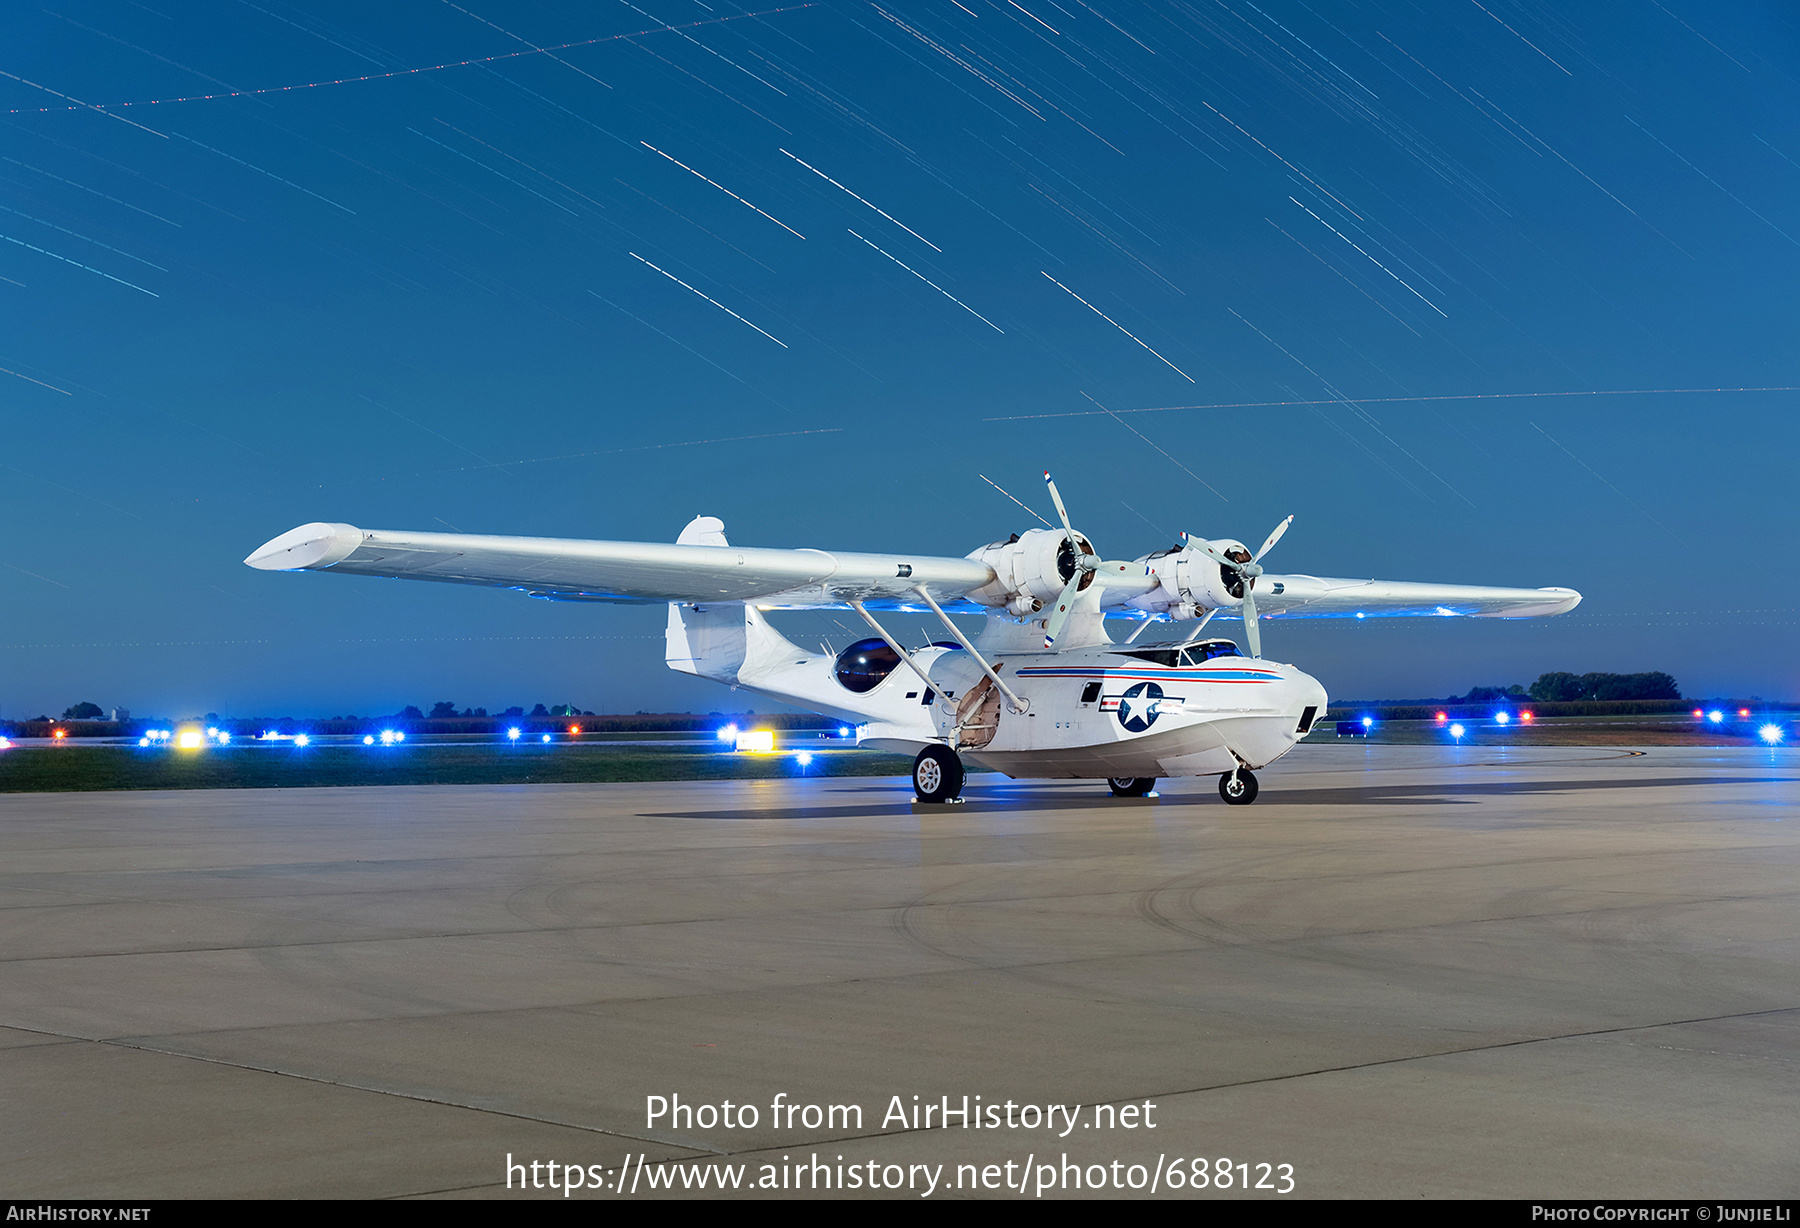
x,y
862,666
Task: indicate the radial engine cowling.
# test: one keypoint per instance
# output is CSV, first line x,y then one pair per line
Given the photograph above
x,y
1030,570
1192,583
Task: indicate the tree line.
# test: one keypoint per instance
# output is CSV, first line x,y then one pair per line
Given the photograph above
x,y
1565,687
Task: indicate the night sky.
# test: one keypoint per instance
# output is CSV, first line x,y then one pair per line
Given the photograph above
x,y
1441,279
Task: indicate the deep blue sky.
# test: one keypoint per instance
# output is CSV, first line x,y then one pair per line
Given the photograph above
x,y
427,300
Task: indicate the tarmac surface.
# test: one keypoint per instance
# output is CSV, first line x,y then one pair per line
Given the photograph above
x,y
1403,972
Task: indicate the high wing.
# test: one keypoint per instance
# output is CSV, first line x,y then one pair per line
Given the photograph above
x,y
1325,597
702,568
564,569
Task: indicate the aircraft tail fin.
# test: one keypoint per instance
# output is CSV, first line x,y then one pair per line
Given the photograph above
x,y
718,641
703,531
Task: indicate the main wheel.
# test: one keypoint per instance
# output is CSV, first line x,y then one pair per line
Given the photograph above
x,y
937,775
1238,788
1131,786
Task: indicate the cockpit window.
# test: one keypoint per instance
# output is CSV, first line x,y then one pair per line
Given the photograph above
x,y
862,666
1156,656
1193,654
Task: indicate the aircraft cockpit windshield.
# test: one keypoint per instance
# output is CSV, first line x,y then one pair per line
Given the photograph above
x,y
1190,654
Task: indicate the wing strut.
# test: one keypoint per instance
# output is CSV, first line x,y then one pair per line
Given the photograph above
x,y
993,677
931,688
1193,636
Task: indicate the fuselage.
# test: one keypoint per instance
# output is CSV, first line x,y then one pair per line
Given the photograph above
x,y
1094,712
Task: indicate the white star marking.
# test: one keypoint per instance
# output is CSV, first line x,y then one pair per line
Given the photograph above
x,y
1128,705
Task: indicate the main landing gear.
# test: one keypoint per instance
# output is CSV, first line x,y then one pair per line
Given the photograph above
x,y
1131,786
1238,788
938,775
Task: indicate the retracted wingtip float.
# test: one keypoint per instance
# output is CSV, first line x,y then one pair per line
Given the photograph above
x,y
309,546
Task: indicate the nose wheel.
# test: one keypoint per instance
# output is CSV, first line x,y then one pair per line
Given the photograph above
x,y
1238,788
938,775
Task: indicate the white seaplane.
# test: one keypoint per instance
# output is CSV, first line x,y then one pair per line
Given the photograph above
x,y
1042,692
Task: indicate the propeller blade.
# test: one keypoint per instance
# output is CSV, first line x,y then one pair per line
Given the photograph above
x,y
1273,538
1252,632
1060,615
1197,544
1060,509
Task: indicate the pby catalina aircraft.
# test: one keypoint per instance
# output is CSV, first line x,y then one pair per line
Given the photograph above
x,y
1044,691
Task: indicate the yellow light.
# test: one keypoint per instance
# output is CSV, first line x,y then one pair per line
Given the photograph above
x,y
757,740
190,739
59,734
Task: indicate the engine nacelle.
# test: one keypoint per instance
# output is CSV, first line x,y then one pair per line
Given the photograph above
x,y
1030,570
1191,583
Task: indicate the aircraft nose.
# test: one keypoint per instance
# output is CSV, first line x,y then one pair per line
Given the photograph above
x,y
1309,692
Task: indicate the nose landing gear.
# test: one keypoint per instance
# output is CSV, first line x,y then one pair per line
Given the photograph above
x,y
1238,788
938,775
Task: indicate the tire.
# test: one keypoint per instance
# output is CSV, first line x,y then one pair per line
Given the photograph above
x,y
937,775
1131,786
1238,788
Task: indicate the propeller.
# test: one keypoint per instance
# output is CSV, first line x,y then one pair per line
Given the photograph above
x,y
1085,565
1247,569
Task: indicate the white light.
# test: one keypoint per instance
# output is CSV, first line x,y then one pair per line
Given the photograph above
x,y
224,737
1500,718
843,731
1368,722
1456,731
513,733
301,739
400,736
546,737
387,737
1770,734
804,758
5,744
368,740
728,734
1359,615
143,741
1715,716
